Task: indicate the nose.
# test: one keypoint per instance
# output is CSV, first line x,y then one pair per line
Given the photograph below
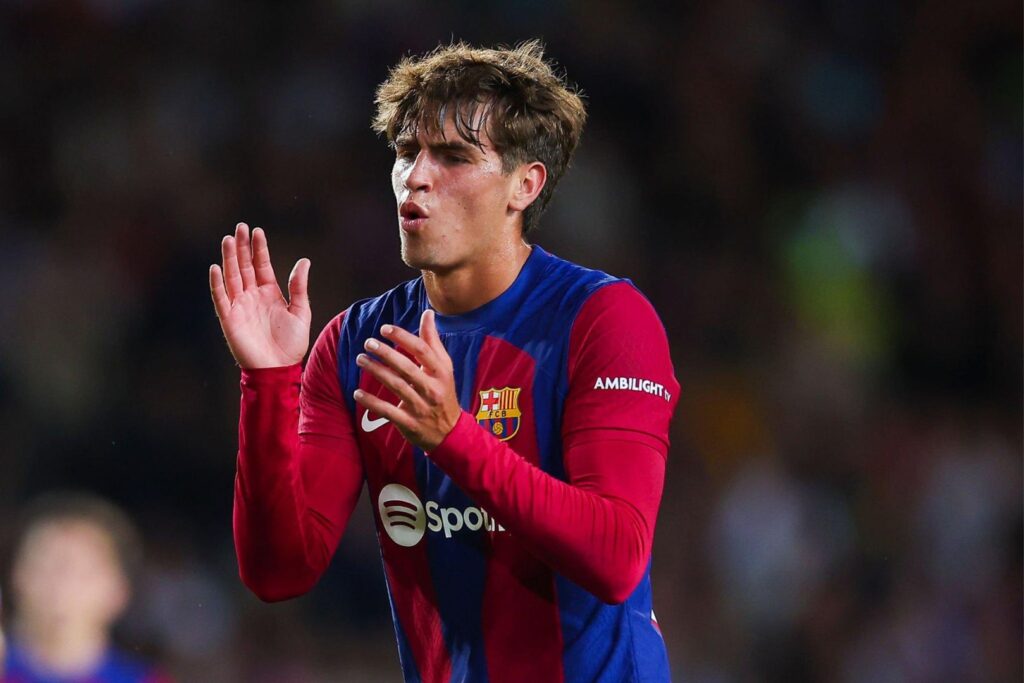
x,y
419,174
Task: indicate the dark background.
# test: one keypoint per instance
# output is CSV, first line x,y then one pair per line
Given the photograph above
x,y
822,198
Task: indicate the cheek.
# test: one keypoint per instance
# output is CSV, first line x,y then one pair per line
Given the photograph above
x,y
399,172
482,193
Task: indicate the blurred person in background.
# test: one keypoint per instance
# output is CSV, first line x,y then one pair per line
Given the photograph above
x,y
3,649
70,582
526,387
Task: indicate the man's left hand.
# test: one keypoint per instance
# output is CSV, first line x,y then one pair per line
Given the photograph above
x,y
429,407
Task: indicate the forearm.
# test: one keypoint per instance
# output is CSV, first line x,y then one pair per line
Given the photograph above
x,y
283,542
597,535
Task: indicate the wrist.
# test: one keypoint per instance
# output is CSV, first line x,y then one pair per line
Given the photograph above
x,y
455,436
275,376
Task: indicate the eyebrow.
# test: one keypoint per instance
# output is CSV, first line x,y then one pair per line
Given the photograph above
x,y
444,146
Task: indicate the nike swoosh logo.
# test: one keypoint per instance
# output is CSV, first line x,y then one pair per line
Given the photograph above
x,y
370,425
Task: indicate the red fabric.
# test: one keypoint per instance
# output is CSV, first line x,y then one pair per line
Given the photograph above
x,y
297,479
617,335
520,612
597,537
413,594
598,528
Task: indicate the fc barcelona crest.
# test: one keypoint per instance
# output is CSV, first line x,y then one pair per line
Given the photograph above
x,y
499,412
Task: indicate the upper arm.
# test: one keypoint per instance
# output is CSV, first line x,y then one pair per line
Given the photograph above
x,y
323,412
332,470
620,370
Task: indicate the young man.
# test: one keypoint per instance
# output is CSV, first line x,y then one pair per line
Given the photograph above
x,y
508,410
70,583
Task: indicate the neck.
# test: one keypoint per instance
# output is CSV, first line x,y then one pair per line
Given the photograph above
x,y
464,288
65,649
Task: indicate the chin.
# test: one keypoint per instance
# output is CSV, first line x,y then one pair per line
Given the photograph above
x,y
417,258
421,258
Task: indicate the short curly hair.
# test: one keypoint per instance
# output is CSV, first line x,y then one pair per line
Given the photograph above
x,y
530,112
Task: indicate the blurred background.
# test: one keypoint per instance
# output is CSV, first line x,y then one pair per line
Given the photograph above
x,y
823,200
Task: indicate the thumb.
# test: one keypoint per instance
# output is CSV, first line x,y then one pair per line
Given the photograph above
x,y
298,289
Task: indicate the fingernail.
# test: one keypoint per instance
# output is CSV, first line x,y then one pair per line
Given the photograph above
x,y
361,359
358,393
372,344
386,330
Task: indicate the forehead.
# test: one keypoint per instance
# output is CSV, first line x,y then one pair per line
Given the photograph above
x,y
70,535
449,124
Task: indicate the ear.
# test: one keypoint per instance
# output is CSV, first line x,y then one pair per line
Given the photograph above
x,y
530,181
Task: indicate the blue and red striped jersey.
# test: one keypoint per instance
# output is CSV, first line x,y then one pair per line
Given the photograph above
x,y
519,549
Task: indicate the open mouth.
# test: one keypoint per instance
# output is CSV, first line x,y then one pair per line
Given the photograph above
x,y
411,211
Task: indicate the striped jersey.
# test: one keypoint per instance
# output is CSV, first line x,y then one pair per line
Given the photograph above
x,y
519,548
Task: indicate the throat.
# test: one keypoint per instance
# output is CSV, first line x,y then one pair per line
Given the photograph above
x,y
463,289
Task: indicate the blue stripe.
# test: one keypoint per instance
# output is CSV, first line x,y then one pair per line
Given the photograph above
x,y
601,642
458,564
410,673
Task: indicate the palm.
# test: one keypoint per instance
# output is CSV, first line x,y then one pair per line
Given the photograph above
x,y
262,328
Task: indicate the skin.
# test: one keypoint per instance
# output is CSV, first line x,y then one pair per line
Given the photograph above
x,y
469,248
69,589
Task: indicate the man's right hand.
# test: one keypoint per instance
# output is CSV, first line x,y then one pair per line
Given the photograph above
x,y
263,330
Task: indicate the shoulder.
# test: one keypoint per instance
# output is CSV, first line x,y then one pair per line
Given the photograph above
x,y
557,290
571,280
621,304
619,319
394,306
595,294
345,334
364,317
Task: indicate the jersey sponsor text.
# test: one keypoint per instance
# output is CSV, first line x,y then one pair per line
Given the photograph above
x,y
633,384
406,519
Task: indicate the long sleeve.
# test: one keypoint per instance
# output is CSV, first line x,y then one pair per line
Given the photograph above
x,y
597,528
299,472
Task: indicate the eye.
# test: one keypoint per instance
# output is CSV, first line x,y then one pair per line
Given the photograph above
x,y
406,153
455,159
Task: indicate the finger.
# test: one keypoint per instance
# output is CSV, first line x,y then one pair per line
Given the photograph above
x,y
221,303
379,406
232,280
400,363
298,288
419,349
244,250
429,333
390,379
261,259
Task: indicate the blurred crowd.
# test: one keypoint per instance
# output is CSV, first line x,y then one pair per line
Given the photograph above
x,y
822,199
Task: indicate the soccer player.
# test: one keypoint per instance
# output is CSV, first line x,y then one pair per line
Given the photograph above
x,y
70,583
508,410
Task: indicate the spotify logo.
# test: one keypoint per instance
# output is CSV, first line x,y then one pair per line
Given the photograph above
x,y
406,519
402,515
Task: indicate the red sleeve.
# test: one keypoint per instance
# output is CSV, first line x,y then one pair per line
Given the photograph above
x,y
299,472
597,529
620,370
